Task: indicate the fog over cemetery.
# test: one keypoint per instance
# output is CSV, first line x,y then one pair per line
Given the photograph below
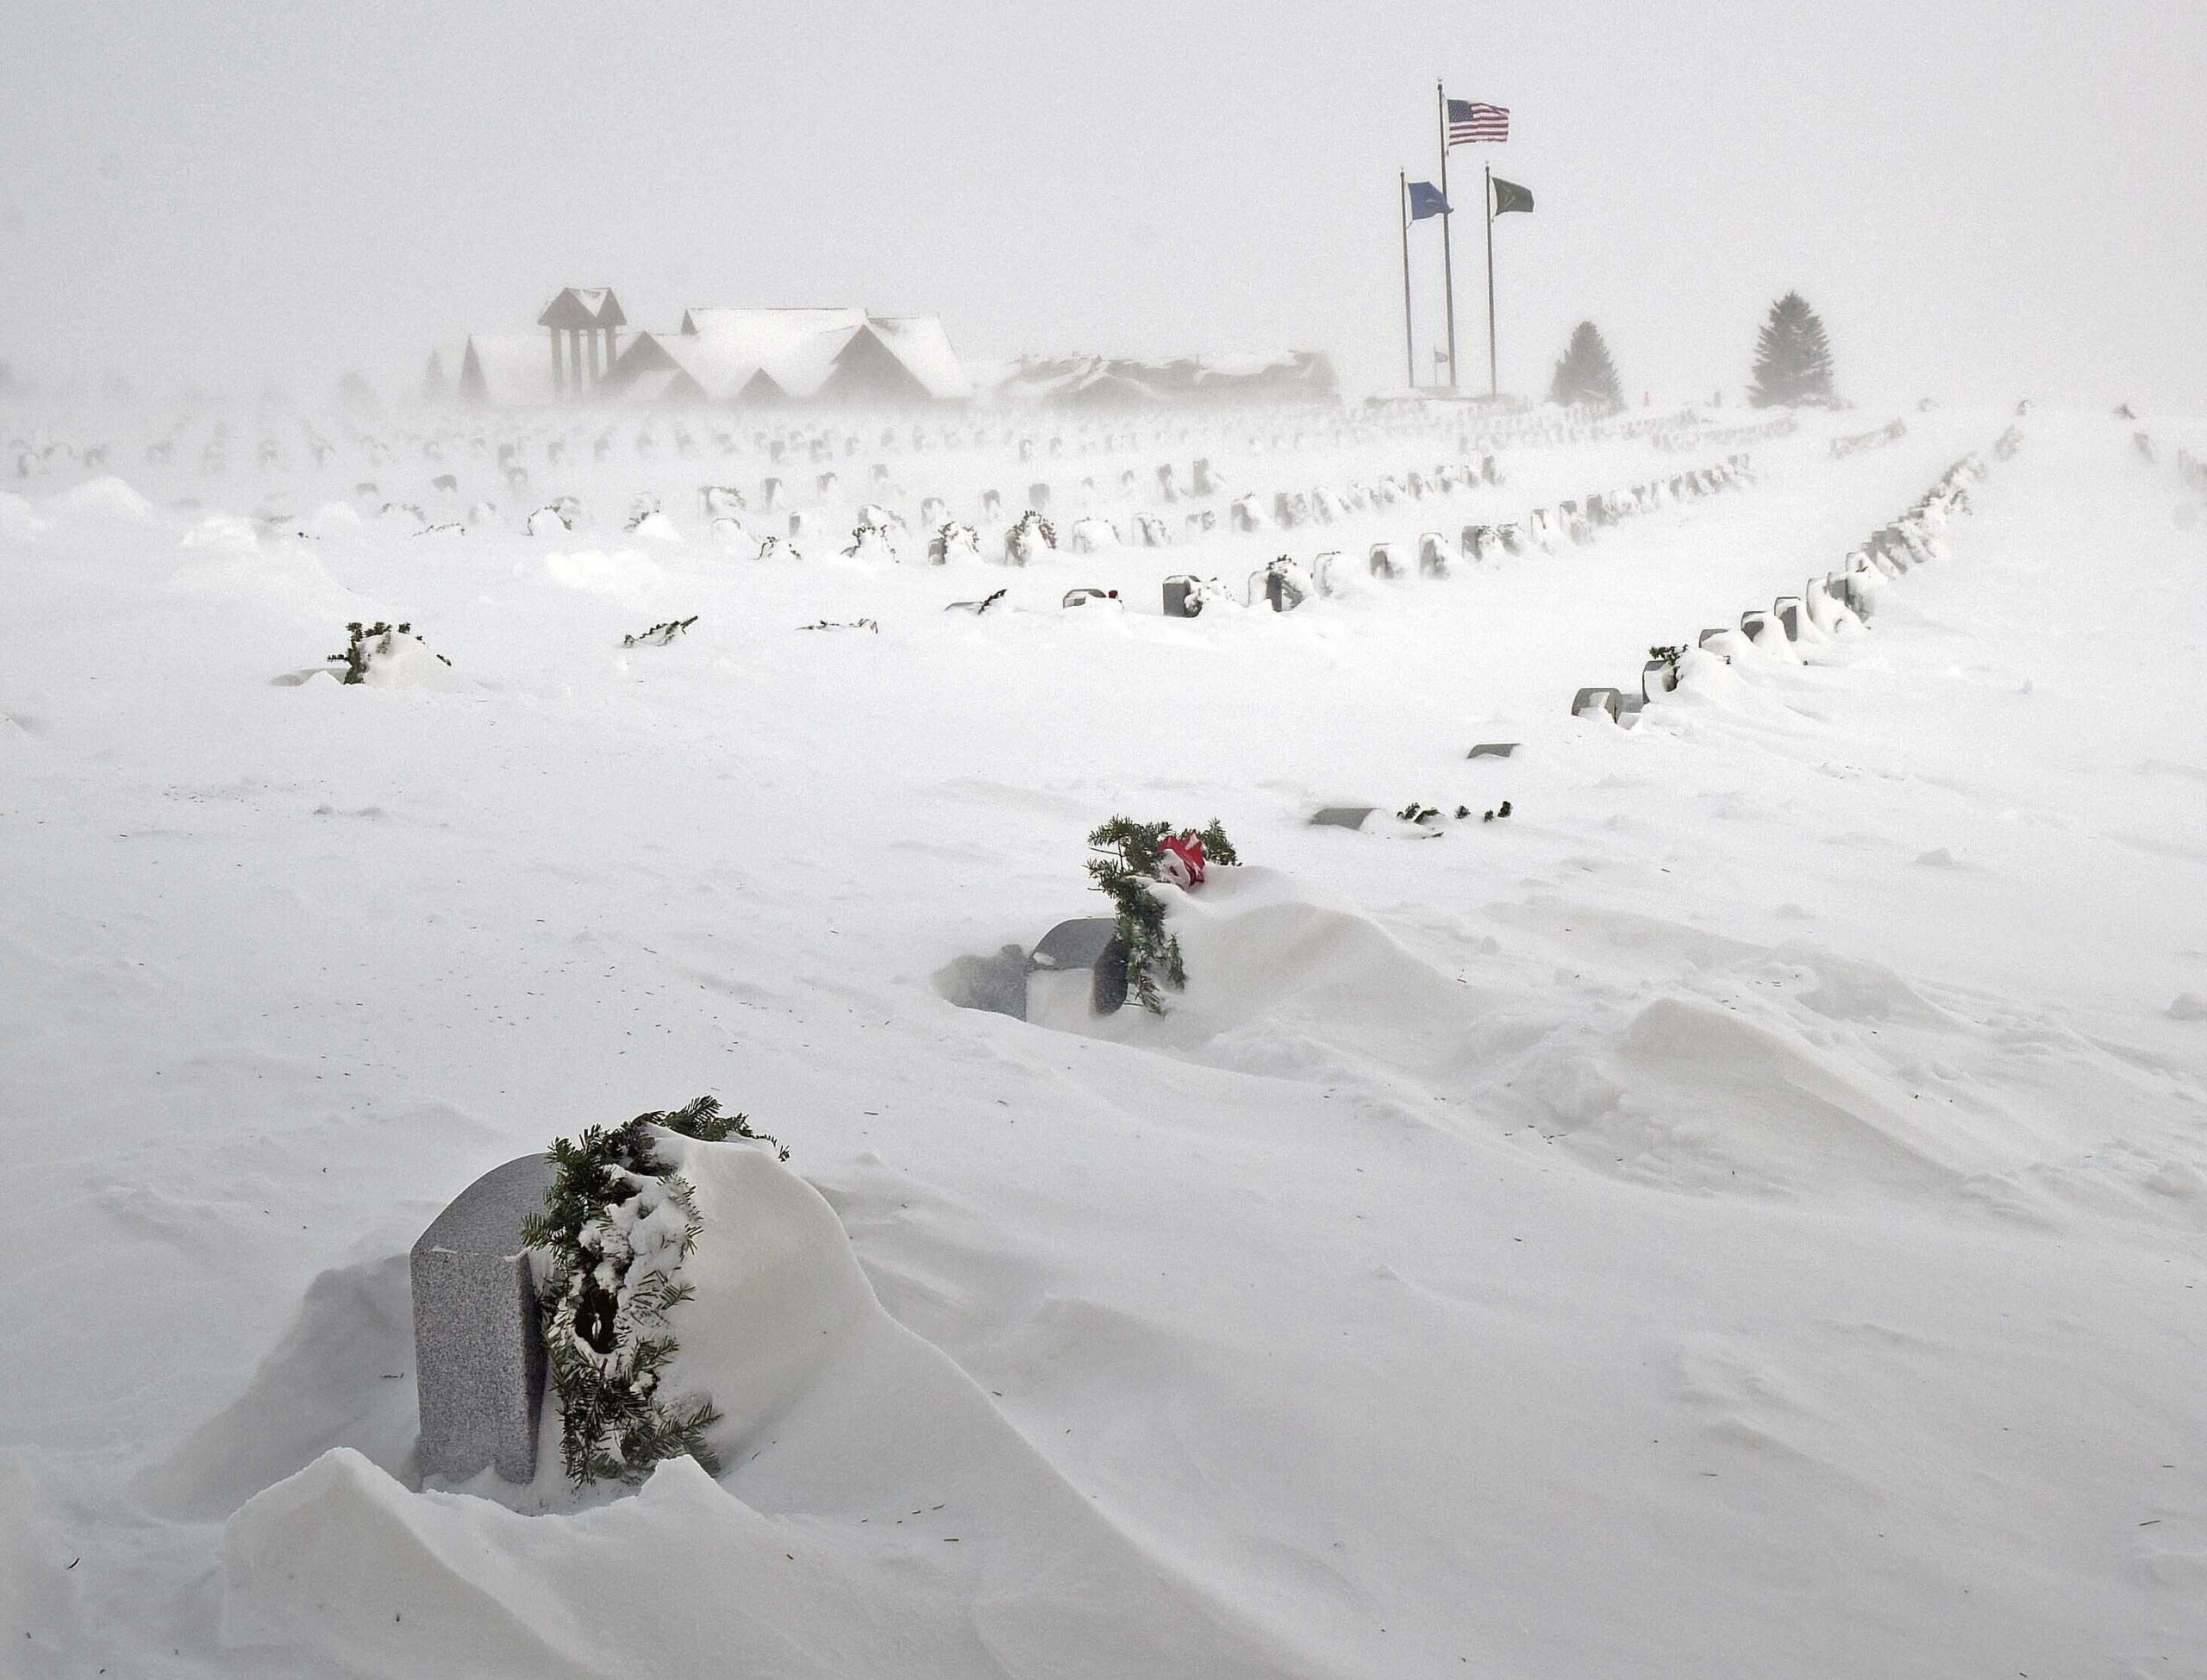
x,y
1474,944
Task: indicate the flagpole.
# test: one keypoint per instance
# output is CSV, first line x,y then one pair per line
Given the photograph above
x,y
1448,242
1493,385
1403,208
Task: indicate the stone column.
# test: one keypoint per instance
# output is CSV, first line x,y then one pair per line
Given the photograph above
x,y
559,381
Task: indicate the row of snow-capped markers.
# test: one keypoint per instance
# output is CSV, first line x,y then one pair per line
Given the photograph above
x,y
1286,584
1827,605
33,455
725,504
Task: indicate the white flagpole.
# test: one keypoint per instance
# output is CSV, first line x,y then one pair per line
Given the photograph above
x,y
1448,241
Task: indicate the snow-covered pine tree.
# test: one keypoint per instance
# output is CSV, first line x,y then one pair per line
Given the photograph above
x,y
1585,374
434,387
1793,358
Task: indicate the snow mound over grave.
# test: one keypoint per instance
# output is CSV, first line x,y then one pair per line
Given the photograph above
x,y
222,531
628,574
334,519
1713,1095
16,519
103,498
1278,985
407,662
326,1383
877,1515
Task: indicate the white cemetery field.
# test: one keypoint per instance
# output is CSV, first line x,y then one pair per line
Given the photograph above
x,y
1742,1212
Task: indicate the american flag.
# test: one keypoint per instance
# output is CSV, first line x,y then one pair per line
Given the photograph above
x,y
1468,119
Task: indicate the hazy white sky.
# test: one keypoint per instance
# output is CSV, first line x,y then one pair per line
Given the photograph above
x,y
1984,198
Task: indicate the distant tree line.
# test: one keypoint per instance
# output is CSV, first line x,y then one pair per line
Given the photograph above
x,y
1792,365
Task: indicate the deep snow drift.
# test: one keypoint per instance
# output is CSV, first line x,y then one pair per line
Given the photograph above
x,y
1743,1213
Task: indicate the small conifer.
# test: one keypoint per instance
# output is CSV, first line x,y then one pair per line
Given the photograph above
x,y
1793,358
1585,374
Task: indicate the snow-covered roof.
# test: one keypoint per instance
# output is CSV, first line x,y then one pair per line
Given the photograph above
x,y
1101,381
919,342
718,370
584,306
507,370
799,349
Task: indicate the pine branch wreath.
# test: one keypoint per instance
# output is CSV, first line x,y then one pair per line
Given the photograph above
x,y
367,643
1127,862
617,1224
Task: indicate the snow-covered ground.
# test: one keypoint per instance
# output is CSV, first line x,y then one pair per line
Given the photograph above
x,y
1746,1213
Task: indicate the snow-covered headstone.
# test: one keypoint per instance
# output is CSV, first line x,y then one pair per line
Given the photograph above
x,y
1341,816
478,1340
1186,596
1080,968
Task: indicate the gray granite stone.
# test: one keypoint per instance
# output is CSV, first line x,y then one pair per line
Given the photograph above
x,y
1342,816
1593,703
1087,942
478,1345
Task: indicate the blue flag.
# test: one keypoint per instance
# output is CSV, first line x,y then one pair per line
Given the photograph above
x,y
1426,200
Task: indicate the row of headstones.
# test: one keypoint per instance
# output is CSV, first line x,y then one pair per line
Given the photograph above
x,y
1577,521
879,530
1325,504
602,434
1827,606
1095,531
723,504
1842,447
1284,584
715,499
820,445
1674,441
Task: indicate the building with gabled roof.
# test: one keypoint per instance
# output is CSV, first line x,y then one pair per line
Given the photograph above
x,y
669,367
506,371
737,357
1100,382
583,322
834,355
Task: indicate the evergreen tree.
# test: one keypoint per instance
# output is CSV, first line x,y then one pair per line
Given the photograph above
x,y
434,388
1585,374
1792,357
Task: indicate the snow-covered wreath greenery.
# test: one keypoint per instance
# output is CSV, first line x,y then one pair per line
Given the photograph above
x,y
1127,859
369,643
616,1226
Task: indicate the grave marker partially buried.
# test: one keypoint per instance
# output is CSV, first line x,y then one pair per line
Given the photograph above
x,y
1081,962
479,1342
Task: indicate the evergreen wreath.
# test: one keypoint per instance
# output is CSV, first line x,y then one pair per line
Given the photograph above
x,y
367,642
1126,863
617,1224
